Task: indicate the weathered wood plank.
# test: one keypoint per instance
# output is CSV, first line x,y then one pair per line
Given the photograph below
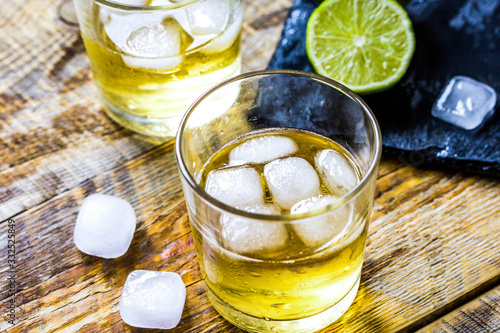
x,y
262,25
53,132
430,242
482,315
56,279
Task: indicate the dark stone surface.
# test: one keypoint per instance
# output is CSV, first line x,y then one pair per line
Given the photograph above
x,y
453,37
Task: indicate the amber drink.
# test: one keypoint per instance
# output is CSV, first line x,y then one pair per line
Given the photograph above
x,y
152,58
279,208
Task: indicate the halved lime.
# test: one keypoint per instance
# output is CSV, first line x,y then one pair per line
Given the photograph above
x,y
365,44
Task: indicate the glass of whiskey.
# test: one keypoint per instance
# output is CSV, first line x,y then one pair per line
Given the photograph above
x,y
152,58
279,181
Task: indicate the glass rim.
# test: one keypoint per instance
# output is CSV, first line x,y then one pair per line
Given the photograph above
x,y
346,198
119,5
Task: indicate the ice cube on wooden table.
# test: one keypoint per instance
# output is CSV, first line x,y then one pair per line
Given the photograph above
x,y
104,226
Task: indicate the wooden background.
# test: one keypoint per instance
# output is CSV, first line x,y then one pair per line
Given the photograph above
x,y
433,252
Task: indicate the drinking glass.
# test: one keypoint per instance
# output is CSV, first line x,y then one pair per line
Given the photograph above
x,y
299,287
152,58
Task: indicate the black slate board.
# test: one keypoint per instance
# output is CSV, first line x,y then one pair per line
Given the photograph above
x,y
453,37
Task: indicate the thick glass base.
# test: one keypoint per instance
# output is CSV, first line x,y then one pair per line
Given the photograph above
x,y
166,106
303,325
164,127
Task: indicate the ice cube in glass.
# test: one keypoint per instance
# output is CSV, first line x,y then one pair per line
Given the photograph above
x,y
208,17
237,187
336,171
244,235
262,150
291,180
325,228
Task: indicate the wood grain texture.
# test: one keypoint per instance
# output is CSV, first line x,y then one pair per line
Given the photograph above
x,y
53,133
432,241
482,315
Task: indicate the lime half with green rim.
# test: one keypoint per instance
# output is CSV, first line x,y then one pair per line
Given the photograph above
x,y
365,44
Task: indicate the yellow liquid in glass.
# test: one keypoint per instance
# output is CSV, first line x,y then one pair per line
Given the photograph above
x,y
295,281
158,87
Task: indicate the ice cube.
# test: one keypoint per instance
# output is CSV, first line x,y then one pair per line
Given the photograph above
x,y
337,173
208,16
105,226
119,25
149,40
325,228
237,187
156,46
227,38
291,180
244,235
465,102
262,150
152,299
156,40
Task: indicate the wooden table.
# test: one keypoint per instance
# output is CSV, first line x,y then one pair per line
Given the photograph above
x,y
433,253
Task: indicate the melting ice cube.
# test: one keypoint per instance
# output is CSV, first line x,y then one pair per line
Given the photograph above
x,y
227,38
118,26
262,150
156,46
152,299
150,40
208,16
245,235
157,40
465,102
105,226
237,187
290,180
336,171
322,229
